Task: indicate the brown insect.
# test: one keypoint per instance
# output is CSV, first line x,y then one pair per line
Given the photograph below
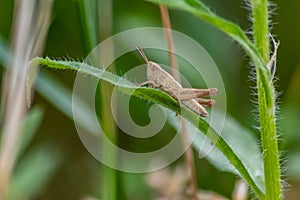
x,y
190,97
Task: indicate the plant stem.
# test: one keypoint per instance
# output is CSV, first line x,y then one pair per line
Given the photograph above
x,y
109,175
95,30
30,29
189,156
266,102
261,27
88,16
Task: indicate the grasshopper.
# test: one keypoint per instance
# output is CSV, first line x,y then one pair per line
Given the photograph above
x,y
190,97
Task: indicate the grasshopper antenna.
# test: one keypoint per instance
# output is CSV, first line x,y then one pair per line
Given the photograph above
x,y
142,53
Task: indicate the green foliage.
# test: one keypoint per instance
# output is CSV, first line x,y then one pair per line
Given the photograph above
x,y
259,53
34,172
236,137
266,103
159,97
30,126
240,139
36,167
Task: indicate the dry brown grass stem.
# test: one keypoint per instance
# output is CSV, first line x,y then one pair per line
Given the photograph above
x,y
30,27
189,157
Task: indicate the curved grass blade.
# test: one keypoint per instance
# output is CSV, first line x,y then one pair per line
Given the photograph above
x,y
238,138
159,97
200,10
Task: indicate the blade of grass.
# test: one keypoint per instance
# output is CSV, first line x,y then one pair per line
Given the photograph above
x,y
165,100
201,11
110,175
34,172
90,11
240,139
88,16
4,52
32,121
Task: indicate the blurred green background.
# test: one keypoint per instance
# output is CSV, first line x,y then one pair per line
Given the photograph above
x,y
79,173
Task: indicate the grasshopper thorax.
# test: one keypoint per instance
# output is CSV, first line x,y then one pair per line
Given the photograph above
x,y
153,70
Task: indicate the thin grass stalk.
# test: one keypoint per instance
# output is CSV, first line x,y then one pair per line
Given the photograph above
x,y
189,156
28,41
96,17
88,16
15,107
109,175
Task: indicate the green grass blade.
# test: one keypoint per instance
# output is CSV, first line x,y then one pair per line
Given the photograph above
x,y
4,52
51,89
240,139
97,16
34,172
88,16
31,124
159,97
198,9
